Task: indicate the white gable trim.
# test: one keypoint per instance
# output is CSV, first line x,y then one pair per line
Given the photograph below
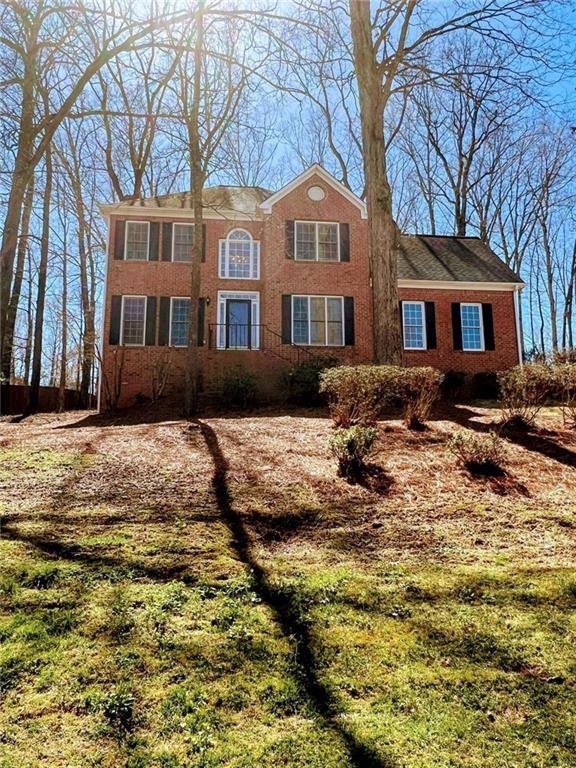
x,y
315,170
457,285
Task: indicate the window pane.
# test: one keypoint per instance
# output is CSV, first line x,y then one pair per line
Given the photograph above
x,y
179,322
183,245
239,254
413,317
335,329
306,241
328,242
137,240
133,313
471,327
300,320
317,320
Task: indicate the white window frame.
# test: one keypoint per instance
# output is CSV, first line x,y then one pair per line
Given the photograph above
x,y
133,296
317,259
223,297
422,304
179,224
177,298
254,246
482,347
317,296
128,223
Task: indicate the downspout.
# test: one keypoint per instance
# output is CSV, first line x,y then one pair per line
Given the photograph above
x,y
520,345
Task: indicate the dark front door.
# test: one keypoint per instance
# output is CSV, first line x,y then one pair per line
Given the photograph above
x,y
238,323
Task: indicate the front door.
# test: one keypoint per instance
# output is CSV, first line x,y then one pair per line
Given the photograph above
x,y
238,323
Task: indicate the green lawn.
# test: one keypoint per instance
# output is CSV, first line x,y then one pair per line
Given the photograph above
x,y
174,596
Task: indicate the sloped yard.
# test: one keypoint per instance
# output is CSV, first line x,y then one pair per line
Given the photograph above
x,y
211,594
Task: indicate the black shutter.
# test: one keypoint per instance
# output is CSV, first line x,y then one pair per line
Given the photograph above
x,y
119,237
430,312
201,317
344,242
286,319
115,317
401,322
349,338
167,241
150,340
153,241
290,239
456,325
488,322
164,323
203,242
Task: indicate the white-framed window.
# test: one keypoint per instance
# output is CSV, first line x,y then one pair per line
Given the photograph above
x,y
179,320
182,241
137,238
238,324
133,321
239,256
318,321
316,241
414,324
472,327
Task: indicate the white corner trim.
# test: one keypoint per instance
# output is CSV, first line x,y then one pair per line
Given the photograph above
x,y
315,170
519,339
455,285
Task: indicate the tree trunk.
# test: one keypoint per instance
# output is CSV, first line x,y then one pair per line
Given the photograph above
x,y
382,230
64,336
41,300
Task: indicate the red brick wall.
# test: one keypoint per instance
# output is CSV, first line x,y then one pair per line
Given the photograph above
x,y
280,275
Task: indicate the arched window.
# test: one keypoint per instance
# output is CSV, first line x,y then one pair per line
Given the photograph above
x,y
239,256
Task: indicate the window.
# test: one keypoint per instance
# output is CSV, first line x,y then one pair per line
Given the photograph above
x,y
137,235
414,325
238,324
239,256
472,329
179,317
318,320
133,320
317,241
182,242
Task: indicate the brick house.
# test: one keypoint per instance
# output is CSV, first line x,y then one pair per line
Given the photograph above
x,y
283,276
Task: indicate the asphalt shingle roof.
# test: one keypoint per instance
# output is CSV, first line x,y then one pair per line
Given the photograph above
x,y
461,259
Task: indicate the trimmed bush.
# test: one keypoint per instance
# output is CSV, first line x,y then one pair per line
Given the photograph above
x,y
357,393
351,446
239,389
481,454
418,390
564,375
565,356
304,379
523,391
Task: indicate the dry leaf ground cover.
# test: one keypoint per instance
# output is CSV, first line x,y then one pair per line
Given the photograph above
x,y
211,594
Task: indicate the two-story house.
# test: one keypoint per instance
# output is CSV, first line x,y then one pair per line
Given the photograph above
x,y
285,275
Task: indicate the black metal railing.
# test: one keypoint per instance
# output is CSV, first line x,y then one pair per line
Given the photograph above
x,y
255,337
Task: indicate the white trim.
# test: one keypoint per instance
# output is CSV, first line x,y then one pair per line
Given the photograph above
x,y
315,170
317,242
179,298
222,298
103,320
422,304
316,296
123,211
181,224
482,347
455,285
254,250
139,221
133,296
519,340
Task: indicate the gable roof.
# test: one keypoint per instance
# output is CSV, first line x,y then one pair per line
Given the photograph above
x,y
315,170
451,259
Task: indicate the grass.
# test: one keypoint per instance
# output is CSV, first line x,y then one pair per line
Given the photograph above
x,y
173,596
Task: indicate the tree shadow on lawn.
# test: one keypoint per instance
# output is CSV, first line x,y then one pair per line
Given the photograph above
x,y
294,626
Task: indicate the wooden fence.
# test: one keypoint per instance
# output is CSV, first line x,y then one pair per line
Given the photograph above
x,y
14,399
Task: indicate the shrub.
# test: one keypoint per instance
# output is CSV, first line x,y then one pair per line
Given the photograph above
x,y
564,375
417,389
565,356
523,391
118,709
350,446
453,383
485,386
304,379
357,394
481,454
239,389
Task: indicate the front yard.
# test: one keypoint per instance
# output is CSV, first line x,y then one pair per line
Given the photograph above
x,y
211,594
